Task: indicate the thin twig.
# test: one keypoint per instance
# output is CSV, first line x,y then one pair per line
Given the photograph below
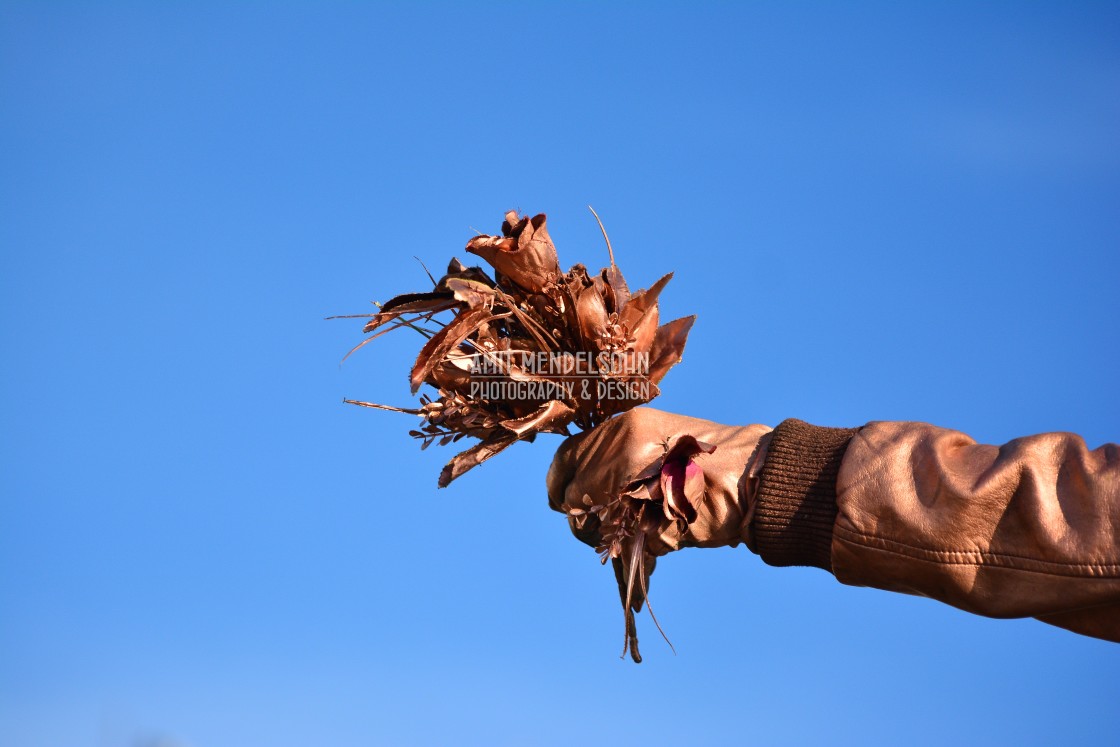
x,y
395,325
645,593
531,325
390,408
434,283
610,251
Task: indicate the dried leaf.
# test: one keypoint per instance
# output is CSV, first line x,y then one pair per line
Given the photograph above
x,y
693,486
687,446
411,303
591,313
645,330
456,269
677,505
471,292
668,347
619,290
446,340
682,479
451,377
551,417
473,457
642,301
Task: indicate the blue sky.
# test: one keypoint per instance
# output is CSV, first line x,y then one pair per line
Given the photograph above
x,y
878,211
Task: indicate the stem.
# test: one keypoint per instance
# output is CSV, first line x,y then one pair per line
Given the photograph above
x,y
610,251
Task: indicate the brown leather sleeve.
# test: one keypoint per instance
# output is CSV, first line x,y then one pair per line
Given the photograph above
x,y
1028,529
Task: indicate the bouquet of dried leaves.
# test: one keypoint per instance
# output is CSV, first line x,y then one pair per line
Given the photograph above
x,y
529,349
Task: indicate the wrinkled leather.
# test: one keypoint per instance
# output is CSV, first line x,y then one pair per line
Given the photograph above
x,y
602,461
1028,529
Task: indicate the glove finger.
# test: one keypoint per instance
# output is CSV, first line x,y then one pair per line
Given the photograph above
x,y
562,470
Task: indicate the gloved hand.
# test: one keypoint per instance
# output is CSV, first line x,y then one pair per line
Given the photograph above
x,y
646,482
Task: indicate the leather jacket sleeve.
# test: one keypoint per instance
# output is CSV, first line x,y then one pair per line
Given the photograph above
x,y
1027,529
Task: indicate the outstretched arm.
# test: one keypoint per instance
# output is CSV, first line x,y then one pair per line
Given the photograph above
x,y
1028,529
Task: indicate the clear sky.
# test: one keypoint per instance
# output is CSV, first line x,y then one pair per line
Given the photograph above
x,y
878,211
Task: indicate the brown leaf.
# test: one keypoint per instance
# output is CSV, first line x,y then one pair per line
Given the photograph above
x,y
471,292
620,292
672,488
642,301
450,377
642,491
682,479
592,314
693,486
568,292
456,269
668,347
444,341
411,303
687,446
418,303
551,417
442,298
645,330
652,472
615,405
474,456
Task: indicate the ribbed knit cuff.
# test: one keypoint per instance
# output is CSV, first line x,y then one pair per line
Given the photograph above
x,y
795,504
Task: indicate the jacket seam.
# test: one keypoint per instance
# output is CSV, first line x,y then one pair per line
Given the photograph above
x,y
979,557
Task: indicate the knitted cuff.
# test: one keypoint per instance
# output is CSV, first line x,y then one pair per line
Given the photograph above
x,y
795,504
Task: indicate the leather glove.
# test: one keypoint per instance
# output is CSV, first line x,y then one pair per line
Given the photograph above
x,y
646,483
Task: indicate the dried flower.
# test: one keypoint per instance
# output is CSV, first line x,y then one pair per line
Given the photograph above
x,y
675,482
